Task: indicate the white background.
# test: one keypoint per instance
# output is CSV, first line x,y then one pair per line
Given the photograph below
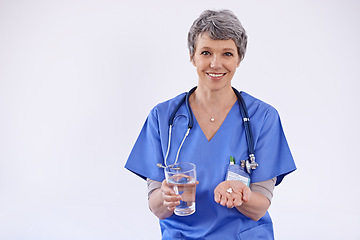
x,y
78,78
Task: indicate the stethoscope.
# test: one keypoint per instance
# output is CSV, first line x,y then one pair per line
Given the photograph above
x,y
249,164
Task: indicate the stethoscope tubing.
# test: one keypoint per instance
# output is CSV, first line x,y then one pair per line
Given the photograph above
x,y
244,114
246,120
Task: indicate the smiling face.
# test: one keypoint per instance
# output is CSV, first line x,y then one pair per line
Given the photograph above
x,y
215,61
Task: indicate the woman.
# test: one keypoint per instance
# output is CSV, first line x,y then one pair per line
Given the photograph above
x,y
217,43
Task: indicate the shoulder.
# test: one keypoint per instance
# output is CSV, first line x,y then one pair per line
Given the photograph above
x,y
168,105
161,113
258,107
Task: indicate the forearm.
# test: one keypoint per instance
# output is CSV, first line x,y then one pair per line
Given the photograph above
x,y
256,207
156,205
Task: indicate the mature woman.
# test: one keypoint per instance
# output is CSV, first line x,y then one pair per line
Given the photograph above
x,y
217,43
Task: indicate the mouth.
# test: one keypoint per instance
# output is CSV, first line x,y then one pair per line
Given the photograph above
x,y
216,75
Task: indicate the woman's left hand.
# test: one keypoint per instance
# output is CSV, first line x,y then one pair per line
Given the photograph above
x,y
232,193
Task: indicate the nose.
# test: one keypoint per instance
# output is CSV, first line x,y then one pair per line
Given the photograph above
x,y
215,62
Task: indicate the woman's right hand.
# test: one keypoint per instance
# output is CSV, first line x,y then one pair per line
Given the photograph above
x,y
171,199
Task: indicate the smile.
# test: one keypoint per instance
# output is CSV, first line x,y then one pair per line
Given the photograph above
x,y
216,74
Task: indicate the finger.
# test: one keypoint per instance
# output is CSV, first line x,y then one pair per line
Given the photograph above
x,y
224,200
171,201
171,205
238,202
230,203
246,194
217,194
172,198
217,197
166,189
236,199
168,192
171,209
243,190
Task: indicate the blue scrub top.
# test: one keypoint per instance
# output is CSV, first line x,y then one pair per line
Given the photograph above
x,y
211,220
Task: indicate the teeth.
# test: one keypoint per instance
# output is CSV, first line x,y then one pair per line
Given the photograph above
x,y
216,75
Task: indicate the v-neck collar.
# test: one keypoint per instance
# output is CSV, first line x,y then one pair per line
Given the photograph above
x,y
218,132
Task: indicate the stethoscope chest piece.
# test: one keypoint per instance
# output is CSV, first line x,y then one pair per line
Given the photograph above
x,y
249,164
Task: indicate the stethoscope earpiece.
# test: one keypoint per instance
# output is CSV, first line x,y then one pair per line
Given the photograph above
x,y
159,165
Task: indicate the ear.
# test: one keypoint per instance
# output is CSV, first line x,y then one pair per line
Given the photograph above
x,y
192,60
238,63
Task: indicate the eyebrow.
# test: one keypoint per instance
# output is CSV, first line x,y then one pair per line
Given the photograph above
x,y
225,49
229,49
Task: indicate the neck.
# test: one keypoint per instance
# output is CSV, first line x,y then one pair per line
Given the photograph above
x,y
215,100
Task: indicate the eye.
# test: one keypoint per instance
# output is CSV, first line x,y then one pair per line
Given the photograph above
x,y
206,53
228,54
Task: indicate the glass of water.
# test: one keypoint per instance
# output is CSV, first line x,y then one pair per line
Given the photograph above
x,y
182,178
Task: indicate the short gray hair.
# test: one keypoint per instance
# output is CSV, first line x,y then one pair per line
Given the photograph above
x,y
220,25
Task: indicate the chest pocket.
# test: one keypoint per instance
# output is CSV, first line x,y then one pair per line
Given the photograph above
x,y
260,232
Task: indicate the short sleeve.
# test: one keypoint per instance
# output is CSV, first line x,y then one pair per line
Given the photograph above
x,y
272,151
147,151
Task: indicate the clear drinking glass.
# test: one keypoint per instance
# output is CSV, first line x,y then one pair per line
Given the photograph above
x,y
182,178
